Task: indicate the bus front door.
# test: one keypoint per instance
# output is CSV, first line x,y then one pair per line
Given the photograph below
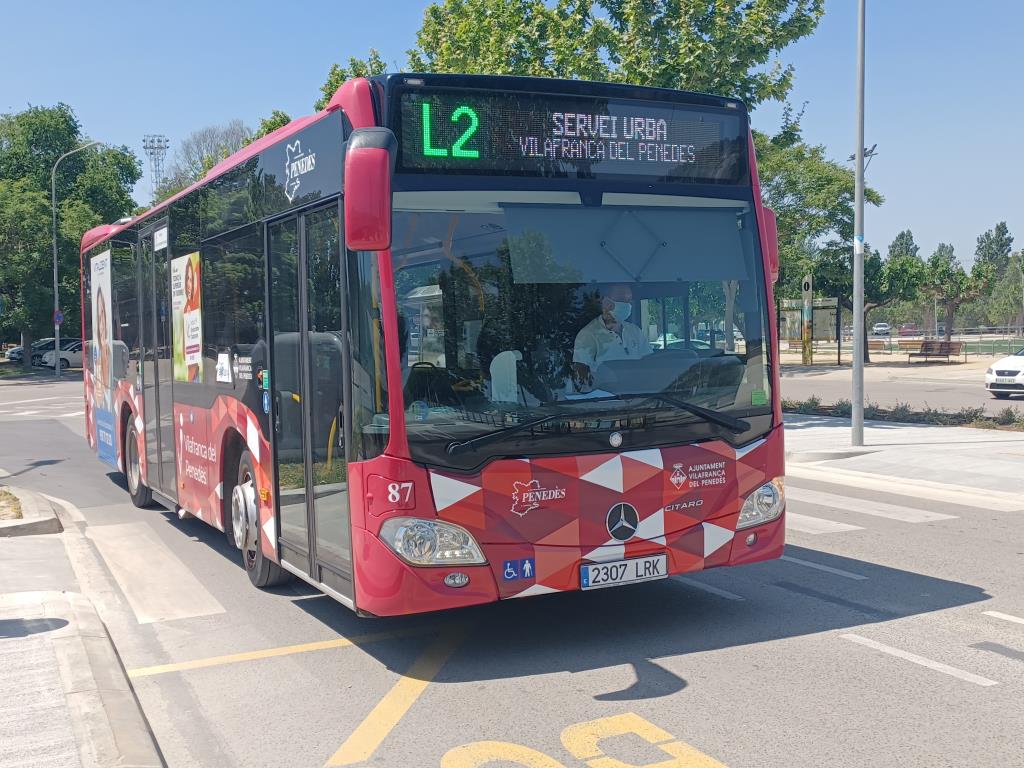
x,y
307,394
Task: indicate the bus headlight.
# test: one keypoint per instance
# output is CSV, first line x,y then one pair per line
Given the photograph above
x,y
431,542
763,505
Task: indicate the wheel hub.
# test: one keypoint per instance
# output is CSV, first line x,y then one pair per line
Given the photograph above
x,y
243,515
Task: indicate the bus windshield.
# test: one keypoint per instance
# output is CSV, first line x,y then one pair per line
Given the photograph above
x,y
519,307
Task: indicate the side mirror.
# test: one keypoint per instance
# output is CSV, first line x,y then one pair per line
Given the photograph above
x,y
771,236
369,163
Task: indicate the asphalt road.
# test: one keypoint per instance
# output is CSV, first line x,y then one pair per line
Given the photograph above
x,y
889,636
938,385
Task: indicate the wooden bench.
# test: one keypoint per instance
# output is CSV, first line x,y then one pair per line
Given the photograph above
x,y
910,345
876,345
934,348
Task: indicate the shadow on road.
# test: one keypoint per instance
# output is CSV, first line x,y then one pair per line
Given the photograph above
x,y
32,465
11,628
638,625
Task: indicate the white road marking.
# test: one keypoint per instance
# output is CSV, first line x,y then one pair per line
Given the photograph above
x,y
938,666
35,400
157,585
825,568
68,415
815,525
25,413
865,506
909,486
708,588
1004,616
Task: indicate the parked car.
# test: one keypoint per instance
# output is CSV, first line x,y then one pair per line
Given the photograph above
x,y
70,355
909,329
1006,377
881,329
47,346
17,354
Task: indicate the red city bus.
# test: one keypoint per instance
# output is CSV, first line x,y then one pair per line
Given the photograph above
x,y
455,339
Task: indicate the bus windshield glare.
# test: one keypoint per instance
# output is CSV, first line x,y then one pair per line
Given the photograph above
x,y
520,306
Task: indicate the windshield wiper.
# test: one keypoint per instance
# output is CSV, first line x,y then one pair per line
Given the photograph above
x,y
721,419
483,439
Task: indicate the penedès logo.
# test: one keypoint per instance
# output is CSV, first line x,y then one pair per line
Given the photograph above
x,y
528,496
297,163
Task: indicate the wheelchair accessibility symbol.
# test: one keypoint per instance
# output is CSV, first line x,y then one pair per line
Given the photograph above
x,y
519,569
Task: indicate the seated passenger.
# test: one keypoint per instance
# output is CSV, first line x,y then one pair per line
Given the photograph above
x,y
609,336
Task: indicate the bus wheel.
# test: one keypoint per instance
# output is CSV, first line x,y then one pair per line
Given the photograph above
x,y
139,491
246,528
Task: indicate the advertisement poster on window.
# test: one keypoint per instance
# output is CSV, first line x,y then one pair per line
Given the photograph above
x,y
102,362
187,306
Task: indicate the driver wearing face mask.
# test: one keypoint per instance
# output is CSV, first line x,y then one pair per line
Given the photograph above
x,y
609,336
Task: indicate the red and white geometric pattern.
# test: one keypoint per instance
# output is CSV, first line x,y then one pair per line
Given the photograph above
x,y
555,510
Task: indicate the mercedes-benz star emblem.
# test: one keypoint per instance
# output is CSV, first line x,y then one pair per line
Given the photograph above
x,y
623,521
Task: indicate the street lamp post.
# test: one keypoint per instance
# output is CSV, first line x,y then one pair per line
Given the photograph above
x,y
56,273
857,411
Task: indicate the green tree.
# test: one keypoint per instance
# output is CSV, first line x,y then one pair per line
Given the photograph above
x,y
199,152
277,119
372,65
994,247
952,286
726,47
897,277
812,197
92,187
1006,304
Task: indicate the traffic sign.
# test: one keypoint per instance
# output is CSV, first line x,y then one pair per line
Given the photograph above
x,y
58,317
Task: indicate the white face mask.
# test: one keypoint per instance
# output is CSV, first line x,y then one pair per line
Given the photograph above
x,y
622,310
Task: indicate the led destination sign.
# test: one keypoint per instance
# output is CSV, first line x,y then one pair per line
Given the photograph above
x,y
554,136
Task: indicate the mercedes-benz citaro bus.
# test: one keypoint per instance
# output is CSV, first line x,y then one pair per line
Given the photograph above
x,y
455,339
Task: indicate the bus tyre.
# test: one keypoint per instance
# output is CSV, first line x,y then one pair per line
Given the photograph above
x,y
262,572
139,491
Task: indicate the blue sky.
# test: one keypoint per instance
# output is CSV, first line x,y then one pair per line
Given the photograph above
x,y
943,81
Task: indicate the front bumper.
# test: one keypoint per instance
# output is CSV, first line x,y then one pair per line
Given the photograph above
x,y
387,586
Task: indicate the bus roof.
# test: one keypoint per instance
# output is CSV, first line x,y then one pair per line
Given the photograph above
x,y
354,95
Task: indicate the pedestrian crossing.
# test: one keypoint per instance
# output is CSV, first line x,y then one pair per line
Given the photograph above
x,y
835,513
56,407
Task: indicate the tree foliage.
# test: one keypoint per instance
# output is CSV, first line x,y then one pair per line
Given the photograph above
x,y
726,47
199,152
92,187
812,197
373,64
994,247
952,285
277,119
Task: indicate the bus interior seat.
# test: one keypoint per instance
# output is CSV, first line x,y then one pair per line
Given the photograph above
x,y
431,384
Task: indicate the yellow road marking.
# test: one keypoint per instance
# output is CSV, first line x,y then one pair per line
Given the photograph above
x,y
583,742
285,650
369,734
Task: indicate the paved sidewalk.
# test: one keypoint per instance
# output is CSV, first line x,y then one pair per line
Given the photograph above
x,y
64,697
983,459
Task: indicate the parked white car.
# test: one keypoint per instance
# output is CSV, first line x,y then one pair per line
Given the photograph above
x,y
1006,377
70,356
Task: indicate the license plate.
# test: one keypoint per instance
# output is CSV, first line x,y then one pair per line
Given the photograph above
x,y
600,575
1005,380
